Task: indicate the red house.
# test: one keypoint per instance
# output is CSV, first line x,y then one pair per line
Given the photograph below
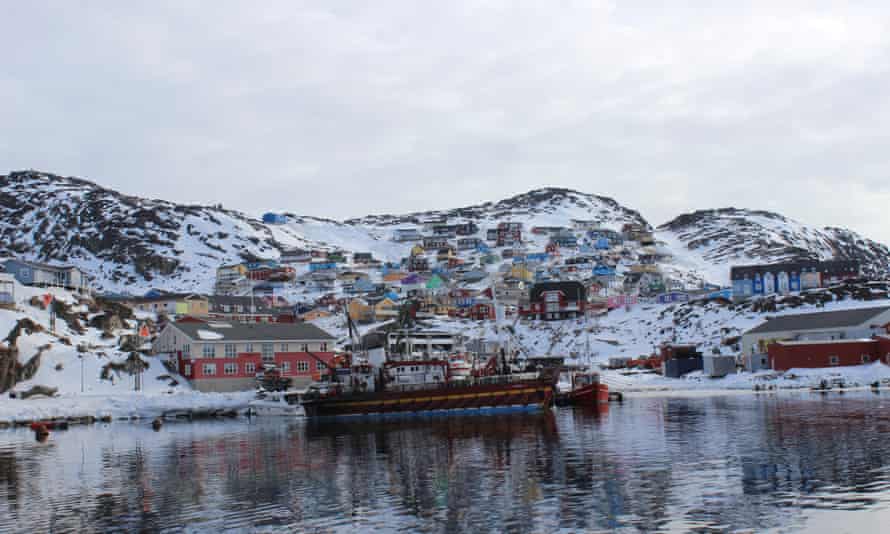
x,y
482,311
556,301
784,355
227,356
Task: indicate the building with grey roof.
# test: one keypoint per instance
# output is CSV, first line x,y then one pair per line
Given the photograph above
x,y
216,355
855,323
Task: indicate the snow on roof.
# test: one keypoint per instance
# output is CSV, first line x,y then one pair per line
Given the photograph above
x,y
209,335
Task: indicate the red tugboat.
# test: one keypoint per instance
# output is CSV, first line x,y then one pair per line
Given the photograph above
x,y
586,390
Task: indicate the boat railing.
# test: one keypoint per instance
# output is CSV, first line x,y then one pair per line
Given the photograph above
x,y
515,378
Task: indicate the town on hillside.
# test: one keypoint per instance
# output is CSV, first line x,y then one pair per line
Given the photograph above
x,y
287,315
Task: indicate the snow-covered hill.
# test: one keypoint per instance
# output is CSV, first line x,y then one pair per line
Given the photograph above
x,y
121,241
710,241
132,244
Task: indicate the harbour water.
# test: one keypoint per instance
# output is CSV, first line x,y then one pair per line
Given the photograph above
x,y
784,462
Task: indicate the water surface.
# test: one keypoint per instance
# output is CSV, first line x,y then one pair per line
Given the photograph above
x,y
788,462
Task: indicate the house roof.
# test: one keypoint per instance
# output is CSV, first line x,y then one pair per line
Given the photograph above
x,y
819,321
45,266
233,331
572,289
829,267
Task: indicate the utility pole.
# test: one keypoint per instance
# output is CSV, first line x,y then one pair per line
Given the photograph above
x,y
81,372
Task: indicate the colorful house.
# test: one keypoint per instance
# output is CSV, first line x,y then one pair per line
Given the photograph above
x,y
360,311
275,218
435,283
226,356
386,309
521,272
784,278
553,301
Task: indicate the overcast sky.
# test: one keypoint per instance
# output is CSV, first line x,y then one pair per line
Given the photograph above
x,y
340,109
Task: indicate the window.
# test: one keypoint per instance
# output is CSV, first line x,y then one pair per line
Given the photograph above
x,y
266,350
304,347
321,366
250,368
302,367
231,368
833,360
230,350
187,350
866,358
283,347
208,351
248,347
208,369
285,367
187,369
324,347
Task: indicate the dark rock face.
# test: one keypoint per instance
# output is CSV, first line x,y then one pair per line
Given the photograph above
x,y
739,236
9,361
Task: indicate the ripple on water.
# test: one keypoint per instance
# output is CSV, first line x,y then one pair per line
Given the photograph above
x,y
704,464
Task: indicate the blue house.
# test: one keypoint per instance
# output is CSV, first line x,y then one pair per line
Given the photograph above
x,y
322,266
32,273
363,285
603,270
275,218
540,257
673,296
602,243
785,278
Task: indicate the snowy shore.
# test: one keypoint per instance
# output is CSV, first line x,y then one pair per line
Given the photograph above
x,y
852,376
120,405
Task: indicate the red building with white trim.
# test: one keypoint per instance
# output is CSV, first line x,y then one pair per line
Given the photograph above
x,y
227,356
556,301
784,355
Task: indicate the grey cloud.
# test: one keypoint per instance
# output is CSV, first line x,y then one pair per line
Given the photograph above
x,y
343,108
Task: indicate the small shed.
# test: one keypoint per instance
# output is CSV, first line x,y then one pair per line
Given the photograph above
x,y
718,366
7,290
680,360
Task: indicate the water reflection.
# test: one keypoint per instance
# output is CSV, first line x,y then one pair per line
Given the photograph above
x,y
701,464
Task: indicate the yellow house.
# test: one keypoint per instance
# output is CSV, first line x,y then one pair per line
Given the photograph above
x,y
312,315
172,304
360,311
417,250
521,272
386,309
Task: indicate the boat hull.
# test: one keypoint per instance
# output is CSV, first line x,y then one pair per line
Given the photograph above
x,y
588,395
470,399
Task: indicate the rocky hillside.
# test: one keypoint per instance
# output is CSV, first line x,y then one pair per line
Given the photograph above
x,y
545,206
121,240
129,243
715,239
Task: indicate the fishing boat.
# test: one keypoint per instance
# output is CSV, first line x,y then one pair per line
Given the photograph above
x,y
586,389
421,376
492,394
